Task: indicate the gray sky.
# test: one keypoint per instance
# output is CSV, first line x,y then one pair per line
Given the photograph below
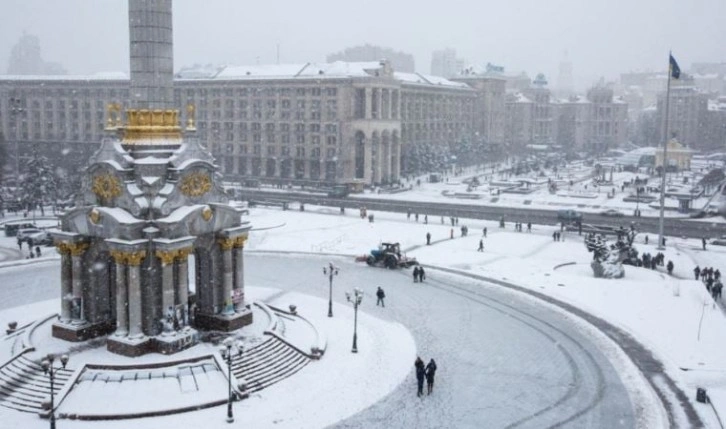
x,y
602,38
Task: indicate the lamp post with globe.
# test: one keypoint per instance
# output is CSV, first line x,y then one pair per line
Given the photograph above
x,y
229,350
48,368
331,271
356,299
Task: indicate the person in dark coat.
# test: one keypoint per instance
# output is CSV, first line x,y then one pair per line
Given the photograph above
x,y
380,295
420,374
481,246
428,238
430,373
669,267
415,274
421,274
703,241
37,251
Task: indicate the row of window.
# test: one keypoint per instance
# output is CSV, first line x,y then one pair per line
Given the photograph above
x,y
261,92
284,151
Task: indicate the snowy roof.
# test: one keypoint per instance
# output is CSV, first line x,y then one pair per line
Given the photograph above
x,y
422,79
517,97
95,76
337,69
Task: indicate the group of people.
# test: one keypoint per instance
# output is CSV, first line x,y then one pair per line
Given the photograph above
x,y
558,236
418,274
650,261
711,279
518,226
428,372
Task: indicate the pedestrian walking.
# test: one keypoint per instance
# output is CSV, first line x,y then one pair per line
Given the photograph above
x,y
421,274
426,219
420,374
646,239
428,238
451,235
416,216
415,274
481,246
20,244
380,295
669,267
554,236
703,241
697,272
430,374
484,231
529,226
37,251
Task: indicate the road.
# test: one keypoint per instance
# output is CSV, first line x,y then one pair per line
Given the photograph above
x,y
503,361
672,226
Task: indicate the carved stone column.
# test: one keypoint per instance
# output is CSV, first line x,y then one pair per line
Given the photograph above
x,y
66,281
239,273
122,297
226,244
182,282
77,250
167,280
134,282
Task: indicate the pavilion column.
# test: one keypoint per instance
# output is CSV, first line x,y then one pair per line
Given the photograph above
x,y
66,281
134,283
77,250
226,244
182,282
239,273
122,297
167,281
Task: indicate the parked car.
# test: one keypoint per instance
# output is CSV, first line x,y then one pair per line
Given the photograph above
x,y
42,238
612,213
11,229
568,216
25,233
719,241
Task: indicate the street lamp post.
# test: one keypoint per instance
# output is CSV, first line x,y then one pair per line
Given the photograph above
x,y
356,299
16,107
227,354
331,271
49,369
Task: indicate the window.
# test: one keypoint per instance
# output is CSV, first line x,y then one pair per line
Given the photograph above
x,y
331,128
315,115
285,151
315,92
315,128
256,126
243,149
257,149
285,127
300,128
285,138
330,153
270,137
257,138
300,92
315,139
331,140
300,138
316,152
300,152
301,104
285,104
331,92
271,150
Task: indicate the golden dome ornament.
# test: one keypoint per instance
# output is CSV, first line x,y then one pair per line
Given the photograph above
x,y
196,184
106,187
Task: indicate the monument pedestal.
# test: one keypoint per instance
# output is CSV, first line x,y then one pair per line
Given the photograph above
x,y
130,347
176,341
77,332
223,322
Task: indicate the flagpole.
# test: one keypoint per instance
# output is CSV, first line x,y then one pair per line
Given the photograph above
x,y
661,246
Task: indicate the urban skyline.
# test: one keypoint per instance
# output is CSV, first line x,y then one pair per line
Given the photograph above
x,y
560,28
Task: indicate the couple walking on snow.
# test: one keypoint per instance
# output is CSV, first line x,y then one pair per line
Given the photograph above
x,y
425,371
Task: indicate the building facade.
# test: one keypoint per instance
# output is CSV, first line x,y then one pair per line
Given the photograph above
x,y
333,122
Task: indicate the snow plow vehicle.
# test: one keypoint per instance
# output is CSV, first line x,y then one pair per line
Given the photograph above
x,y
389,255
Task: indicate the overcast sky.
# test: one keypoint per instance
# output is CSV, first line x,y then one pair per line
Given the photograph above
x,y
602,38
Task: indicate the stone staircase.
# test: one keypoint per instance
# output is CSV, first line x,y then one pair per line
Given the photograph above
x,y
267,363
24,386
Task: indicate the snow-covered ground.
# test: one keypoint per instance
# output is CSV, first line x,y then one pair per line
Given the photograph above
x,y
672,315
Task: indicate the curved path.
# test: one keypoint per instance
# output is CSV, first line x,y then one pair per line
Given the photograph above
x,y
503,361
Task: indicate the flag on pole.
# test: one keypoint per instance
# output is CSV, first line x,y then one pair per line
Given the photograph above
x,y
675,71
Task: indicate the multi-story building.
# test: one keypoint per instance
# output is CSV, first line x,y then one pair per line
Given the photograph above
x,y
445,63
543,123
687,113
594,123
400,61
310,122
518,130
489,110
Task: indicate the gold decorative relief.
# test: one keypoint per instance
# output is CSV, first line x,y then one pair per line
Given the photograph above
x,y
106,186
119,256
94,216
240,241
134,258
166,256
207,213
196,184
226,243
62,247
183,254
77,249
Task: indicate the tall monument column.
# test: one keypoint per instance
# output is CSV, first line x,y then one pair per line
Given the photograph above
x,y
134,281
66,281
152,54
122,296
77,250
182,286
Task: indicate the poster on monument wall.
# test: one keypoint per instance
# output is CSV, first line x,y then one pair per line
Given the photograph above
x,y
237,295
